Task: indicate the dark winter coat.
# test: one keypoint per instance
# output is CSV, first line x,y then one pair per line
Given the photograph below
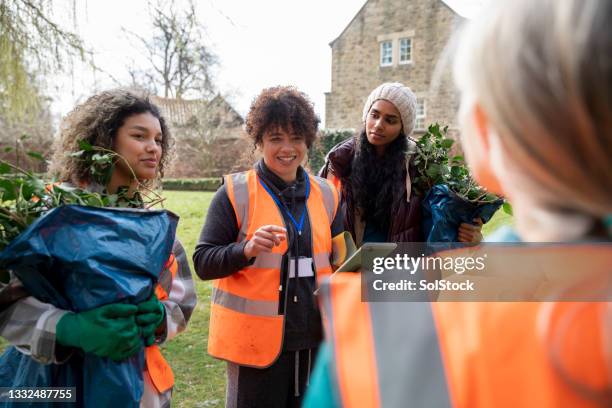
x,y
405,222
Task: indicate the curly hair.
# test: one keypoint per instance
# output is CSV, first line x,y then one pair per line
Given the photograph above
x,y
97,121
284,107
375,179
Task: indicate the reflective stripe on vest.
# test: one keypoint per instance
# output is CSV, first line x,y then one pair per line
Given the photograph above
x,y
330,197
245,325
377,362
271,260
244,305
159,369
238,188
468,354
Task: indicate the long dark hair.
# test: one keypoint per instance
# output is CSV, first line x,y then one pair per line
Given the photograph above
x,y
376,179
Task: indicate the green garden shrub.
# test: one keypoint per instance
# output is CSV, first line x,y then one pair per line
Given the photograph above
x,y
328,139
192,184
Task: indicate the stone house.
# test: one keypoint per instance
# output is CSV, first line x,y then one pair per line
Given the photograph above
x,y
209,136
394,41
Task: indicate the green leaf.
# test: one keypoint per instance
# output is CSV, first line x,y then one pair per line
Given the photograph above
x,y
459,159
8,149
447,143
433,171
4,168
85,145
94,201
456,171
9,189
35,155
434,129
32,187
507,207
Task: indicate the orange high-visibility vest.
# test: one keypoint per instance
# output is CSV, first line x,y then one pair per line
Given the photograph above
x,y
467,354
159,369
245,325
335,180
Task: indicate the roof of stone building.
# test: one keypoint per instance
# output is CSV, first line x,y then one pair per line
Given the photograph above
x,y
180,111
210,118
331,44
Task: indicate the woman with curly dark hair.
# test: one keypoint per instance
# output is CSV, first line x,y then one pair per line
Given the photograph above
x,y
267,242
130,125
102,121
373,172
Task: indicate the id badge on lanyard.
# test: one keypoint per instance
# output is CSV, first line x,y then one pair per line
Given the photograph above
x,y
304,265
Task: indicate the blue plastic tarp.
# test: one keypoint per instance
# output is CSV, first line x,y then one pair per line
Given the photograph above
x,y
79,258
444,211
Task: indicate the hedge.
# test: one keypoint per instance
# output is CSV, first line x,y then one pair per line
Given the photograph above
x,y
194,184
328,139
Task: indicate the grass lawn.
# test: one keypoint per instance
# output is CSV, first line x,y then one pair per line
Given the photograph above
x,y
499,219
200,379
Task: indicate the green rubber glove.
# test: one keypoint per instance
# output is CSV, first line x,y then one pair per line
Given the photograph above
x,y
150,315
107,331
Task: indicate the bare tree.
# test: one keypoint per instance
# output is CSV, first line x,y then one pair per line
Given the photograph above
x,y
32,45
180,63
30,37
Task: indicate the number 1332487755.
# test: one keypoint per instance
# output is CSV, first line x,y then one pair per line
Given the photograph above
x,y
38,394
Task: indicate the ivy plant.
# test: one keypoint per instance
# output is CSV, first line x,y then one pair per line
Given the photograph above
x,y
25,196
435,165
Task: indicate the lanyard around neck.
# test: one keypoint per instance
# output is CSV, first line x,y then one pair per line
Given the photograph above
x,y
298,225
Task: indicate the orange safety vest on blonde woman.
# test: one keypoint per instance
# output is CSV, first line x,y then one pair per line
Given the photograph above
x,y
469,354
159,369
245,325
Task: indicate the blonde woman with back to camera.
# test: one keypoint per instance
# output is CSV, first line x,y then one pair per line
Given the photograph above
x,y
536,118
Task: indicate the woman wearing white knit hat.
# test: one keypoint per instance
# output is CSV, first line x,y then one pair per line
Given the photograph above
x,y
373,171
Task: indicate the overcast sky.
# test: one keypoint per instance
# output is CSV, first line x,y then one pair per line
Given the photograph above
x,y
259,43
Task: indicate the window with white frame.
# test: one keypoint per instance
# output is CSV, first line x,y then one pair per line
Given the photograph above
x,y
421,113
386,53
405,50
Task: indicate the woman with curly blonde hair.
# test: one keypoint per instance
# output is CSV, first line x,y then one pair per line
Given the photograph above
x,y
130,125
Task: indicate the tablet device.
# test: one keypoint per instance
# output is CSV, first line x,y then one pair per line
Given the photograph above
x,y
372,249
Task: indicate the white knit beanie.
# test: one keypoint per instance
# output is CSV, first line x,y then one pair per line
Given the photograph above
x,y
399,95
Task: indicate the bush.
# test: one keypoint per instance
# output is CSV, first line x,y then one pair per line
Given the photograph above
x,y
328,139
195,184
